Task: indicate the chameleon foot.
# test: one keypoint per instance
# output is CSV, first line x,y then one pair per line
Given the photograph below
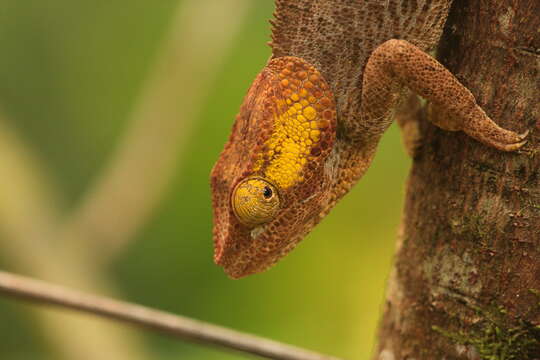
x,y
489,133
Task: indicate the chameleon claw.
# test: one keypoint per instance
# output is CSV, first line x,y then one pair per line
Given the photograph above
x,y
524,134
519,144
499,138
511,147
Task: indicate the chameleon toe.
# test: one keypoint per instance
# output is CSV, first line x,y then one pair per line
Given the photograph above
x,y
509,147
524,134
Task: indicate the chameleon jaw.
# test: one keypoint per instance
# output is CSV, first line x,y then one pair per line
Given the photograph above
x,y
238,261
248,251
254,259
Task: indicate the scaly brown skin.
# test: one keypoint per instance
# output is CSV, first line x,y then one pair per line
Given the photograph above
x,y
360,72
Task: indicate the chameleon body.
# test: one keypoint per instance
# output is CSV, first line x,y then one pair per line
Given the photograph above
x,y
311,121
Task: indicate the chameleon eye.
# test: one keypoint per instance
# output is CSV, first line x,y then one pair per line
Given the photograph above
x,y
255,201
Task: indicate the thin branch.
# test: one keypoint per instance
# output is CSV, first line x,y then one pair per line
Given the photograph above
x,y
41,292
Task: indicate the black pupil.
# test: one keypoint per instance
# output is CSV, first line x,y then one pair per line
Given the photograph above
x,y
267,192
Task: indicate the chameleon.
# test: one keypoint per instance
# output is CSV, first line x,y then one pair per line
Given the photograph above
x,y
310,123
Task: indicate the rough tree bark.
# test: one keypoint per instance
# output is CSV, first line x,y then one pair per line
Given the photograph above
x,y
466,279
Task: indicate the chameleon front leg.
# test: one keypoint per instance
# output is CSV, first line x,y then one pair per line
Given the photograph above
x,y
398,63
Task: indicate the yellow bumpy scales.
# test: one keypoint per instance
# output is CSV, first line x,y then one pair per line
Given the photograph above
x,y
303,115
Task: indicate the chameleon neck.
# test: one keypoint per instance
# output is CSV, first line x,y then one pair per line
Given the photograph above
x,y
349,167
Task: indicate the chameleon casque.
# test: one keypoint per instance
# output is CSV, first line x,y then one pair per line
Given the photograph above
x,y
310,123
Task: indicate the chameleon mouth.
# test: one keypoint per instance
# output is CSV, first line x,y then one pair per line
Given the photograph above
x,y
220,257
229,252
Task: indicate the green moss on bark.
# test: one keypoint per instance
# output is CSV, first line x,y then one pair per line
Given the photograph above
x,y
494,339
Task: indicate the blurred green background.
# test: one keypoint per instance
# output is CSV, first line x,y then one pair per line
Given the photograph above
x,y
75,78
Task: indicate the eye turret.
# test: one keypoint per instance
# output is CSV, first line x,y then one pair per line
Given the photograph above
x,y
255,201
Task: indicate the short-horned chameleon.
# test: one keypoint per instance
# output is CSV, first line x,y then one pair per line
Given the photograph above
x,y
310,123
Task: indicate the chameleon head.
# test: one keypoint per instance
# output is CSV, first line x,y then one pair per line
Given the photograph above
x,y
269,186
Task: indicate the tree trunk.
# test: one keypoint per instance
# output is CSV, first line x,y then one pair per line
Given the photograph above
x,y
466,279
